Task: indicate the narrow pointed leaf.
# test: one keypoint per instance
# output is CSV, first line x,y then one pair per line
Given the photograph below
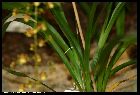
x,y
123,65
90,30
20,74
111,22
62,22
15,72
120,24
123,45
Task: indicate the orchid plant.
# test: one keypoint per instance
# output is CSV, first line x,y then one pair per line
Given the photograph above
x,y
88,75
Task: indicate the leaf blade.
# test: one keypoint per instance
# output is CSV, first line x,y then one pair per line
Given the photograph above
x,y
123,65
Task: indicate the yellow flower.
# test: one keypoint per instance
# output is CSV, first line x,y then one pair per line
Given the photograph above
x,y
50,5
41,43
13,64
43,76
21,88
41,26
29,32
35,31
14,13
32,47
26,18
41,10
38,58
36,4
28,8
29,84
44,28
22,59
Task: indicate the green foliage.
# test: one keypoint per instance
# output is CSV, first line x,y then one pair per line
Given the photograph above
x,y
15,72
128,63
120,24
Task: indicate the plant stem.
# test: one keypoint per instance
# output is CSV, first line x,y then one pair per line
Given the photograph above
x,y
78,23
35,43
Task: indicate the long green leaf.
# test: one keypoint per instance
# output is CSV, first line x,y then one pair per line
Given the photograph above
x,y
62,22
99,69
114,16
98,50
97,32
20,74
120,24
64,58
90,30
109,7
68,65
123,45
128,63
68,50
103,37
99,55
4,27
